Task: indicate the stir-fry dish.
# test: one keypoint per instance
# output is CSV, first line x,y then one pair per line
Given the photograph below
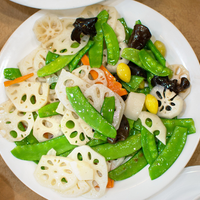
x,y
95,103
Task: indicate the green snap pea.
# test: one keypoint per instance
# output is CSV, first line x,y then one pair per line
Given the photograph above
x,y
126,29
148,145
55,65
149,77
51,57
135,82
11,73
119,149
161,146
88,113
48,110
96,51
74,63
34,152
129,168
134,131
152,65
145,90
170,153
111,44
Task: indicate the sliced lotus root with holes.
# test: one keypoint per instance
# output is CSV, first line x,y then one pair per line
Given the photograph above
x,y
61,109
120,32
180,71
47,27
72,126
83,72
67,79
10,118
55,172
47,128
62,44
96,94
98,163
157,125
28,96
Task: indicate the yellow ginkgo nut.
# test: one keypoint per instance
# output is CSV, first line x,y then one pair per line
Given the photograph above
x,y
151,104
124,72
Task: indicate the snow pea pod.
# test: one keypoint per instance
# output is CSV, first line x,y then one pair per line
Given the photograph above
x,y
55,65
96,51
11,73
145,90
88,113
170,153
111,44
73,64
148,145
35,151
135,81
51,57
152,65
129,168
119,149
126,29
48,110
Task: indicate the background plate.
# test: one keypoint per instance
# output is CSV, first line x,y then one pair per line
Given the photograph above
x,y
178,51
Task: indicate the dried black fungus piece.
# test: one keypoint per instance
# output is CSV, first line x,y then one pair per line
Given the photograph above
x,y
85,26
139,37
172,85
136,70
122,132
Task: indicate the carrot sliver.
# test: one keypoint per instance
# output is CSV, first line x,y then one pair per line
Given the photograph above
x,y
18,80
94,74
85,60
110,183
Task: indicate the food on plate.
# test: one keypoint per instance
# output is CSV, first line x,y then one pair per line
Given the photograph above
x,y
95,103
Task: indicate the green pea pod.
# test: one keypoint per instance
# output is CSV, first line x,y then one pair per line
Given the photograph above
x,y
48,110
134,131
126,29
95,142
96,51
11,73
88,113
138,22
119,149
35,151
73,64
107,111
149,77
152,65
170,124
161,146
111,44
145,90
135,82
170,153
130,122
51,57
129,168
156,53
55,65
148,145
137,124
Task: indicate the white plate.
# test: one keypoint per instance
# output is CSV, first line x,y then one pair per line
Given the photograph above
x,y
56,4
185,186
178,51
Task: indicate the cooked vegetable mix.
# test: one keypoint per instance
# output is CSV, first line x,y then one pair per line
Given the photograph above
x,y
102,125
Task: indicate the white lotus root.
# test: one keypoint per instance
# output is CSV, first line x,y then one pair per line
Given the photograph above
x,y
83,72
62,43
47,128
157,125
96,94
98,163
67,79
180,71
47,27
75,129
120,32
10,118
21,95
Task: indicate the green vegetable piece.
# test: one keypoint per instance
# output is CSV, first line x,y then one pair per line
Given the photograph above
x,y
161,146
88,113
31,138
119,149
138,22
130,122
55,65
148,145
137,124
95,142
188,123
152,65
111,44
145,90
96,51
134,131
74,63
53,85
11,73
149,77
126,29
48,110
170,153
129,168
156,53
135,81
35,151
51,57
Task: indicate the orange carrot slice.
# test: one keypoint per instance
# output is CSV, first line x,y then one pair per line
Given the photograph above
x,y
110,183
18,80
